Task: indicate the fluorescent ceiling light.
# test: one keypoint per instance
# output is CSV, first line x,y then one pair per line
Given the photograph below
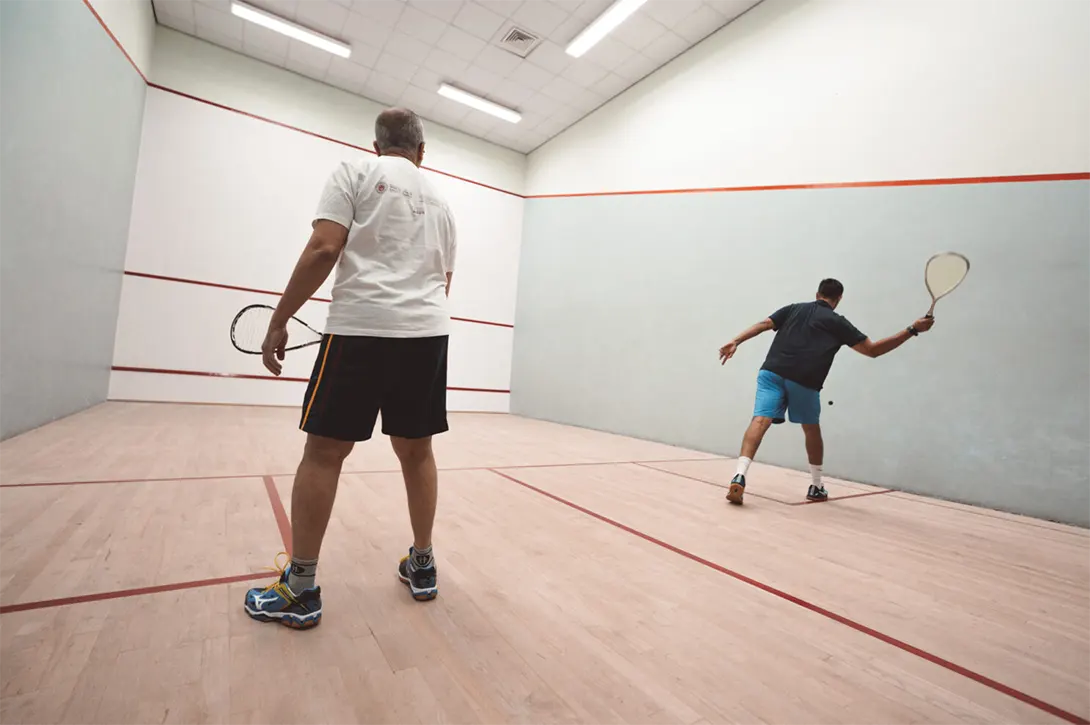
x,y
468,99
617,13
290,29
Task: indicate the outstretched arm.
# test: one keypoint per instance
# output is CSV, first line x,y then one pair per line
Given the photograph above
x,y
727,351
870,348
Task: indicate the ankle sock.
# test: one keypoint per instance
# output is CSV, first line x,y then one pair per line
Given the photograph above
x,y
743,465
301,575
815,475
422,558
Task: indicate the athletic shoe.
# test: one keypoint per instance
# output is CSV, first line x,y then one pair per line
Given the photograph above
x,y
278,603
421,582
737,488
816,494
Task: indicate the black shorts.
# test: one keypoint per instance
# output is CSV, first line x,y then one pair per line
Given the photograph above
x,y
356,378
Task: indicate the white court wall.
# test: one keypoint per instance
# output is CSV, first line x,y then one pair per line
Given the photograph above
x,y
820,91
132,23
225,198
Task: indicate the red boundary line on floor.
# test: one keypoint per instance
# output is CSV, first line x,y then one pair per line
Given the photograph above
x,y
839,618
217,285
1019,178
249,376
323,137
236,476
116,41
281,515
767,498
122,593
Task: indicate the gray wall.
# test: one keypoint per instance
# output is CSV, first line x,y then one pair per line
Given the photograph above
x,y
70,119
624,301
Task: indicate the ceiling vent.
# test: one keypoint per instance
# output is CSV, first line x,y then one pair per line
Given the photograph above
x,y
518,41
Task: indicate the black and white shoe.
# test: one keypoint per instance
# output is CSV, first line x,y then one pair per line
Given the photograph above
x,y
422,581
737,489
814,493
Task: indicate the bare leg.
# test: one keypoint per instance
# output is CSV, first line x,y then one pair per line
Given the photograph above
x,y
815,447
313,493
755,433
421,485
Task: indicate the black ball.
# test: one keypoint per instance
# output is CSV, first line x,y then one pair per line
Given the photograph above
x,y
830,402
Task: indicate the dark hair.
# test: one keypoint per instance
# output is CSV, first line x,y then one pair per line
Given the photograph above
x,y
830,289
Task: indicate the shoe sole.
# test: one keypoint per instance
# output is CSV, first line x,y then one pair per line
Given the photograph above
x,y
286,620
420,595
816,499
734,494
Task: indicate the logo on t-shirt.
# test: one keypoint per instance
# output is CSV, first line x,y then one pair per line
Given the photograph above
x,y
380,187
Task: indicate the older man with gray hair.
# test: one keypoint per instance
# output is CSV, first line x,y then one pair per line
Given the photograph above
x,y
390,235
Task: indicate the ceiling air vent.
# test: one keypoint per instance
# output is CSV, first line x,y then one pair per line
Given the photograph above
x,y
518,41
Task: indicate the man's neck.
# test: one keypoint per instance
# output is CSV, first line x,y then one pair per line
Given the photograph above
x,y
398,152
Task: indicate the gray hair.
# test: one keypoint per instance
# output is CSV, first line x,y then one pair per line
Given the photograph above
x,y
399,128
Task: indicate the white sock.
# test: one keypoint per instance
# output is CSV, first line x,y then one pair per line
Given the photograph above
x,y
815,475
743,465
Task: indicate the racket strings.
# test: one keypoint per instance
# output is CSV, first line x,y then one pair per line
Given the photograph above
x,y
252,323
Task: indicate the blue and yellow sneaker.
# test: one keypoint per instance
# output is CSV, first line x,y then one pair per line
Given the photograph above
x,y
422,582
278,603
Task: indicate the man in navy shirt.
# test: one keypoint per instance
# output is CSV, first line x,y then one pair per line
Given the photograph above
x,y
808,336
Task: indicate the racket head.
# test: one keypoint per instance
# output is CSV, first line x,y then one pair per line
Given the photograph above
x,y
943,273
252,322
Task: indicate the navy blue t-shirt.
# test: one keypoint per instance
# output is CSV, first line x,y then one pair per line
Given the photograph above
x,y
808,336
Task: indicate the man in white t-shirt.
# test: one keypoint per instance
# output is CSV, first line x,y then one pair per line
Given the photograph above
x,y
391,237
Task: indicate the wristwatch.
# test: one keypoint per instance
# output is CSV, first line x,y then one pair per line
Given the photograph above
x,y
913,331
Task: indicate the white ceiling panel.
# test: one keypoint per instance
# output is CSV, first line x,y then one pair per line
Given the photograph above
x,y
403,49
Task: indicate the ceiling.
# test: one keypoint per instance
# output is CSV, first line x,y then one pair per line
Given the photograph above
x,y
403,49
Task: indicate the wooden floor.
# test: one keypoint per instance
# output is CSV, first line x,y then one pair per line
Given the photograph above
x,y
585,578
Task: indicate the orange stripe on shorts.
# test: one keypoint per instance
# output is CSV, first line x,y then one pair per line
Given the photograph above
x,y
318,382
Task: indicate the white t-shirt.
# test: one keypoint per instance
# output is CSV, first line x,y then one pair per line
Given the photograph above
x,y
392,275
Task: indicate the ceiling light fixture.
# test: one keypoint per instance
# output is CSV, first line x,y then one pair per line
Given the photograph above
x,y
290,29
468,99
606,23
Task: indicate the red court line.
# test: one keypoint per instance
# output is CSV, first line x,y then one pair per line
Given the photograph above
x,y
841,498
839,618
116,41
281,124
282,521
273,293
234,476
709,483
1022,178
120,594
249,376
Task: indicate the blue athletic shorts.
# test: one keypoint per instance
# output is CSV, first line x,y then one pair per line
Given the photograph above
x,y
775,396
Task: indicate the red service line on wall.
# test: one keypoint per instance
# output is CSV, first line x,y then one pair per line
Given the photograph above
x,y
953,181
217,285
250,376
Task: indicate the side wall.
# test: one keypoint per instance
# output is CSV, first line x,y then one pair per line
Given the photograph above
x,y
71,115
227,183
624,299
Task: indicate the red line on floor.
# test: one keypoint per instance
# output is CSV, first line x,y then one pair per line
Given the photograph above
x,y
709,483
250,376
233,476
841,498
289,127
116,41
839,618
281,515
1021,178
273,293
121,594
